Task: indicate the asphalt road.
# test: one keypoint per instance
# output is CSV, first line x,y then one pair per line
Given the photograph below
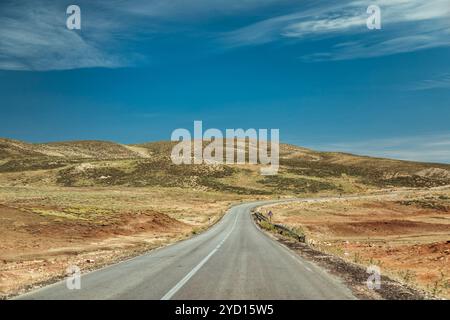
x,y
232,260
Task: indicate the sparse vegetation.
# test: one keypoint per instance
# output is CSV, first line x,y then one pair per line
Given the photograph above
x,y
369,171
427,204
78,198
296,185
302,170
440,285
357,257
19,165
403,233
408,276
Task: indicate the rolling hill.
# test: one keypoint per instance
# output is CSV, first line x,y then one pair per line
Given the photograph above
x,y
102,163
92,203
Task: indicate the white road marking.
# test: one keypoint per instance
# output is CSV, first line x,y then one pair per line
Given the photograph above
x,y
183,281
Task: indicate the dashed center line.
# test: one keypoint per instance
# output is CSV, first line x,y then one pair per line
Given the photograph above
x,y
183,281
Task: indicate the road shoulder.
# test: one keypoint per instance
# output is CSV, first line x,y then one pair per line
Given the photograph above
x,y
352,275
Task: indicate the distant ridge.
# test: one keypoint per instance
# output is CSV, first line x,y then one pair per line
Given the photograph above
x,y
81,163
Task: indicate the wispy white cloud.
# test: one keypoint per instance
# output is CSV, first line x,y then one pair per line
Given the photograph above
x,y
33,34
270,30
192,9
407,25
441,81
428,148
34,37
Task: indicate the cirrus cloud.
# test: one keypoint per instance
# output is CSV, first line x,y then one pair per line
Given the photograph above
x,y
406,26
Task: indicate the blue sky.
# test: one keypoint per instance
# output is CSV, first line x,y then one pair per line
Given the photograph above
x,y
137,70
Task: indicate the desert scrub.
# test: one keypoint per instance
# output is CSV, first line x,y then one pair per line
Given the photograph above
x,y
425,204
440,285
160,172
18,165
267,226
97,176
368,171
375,262
298,230
216,185
198,230
357,258
407,276
296,185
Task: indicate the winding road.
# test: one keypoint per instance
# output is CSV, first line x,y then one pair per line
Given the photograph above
x,y
232,260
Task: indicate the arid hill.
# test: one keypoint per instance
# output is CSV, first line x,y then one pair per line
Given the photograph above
x,y
91,203
101,163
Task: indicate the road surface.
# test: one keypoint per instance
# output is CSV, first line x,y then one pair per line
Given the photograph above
x,y
232,260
